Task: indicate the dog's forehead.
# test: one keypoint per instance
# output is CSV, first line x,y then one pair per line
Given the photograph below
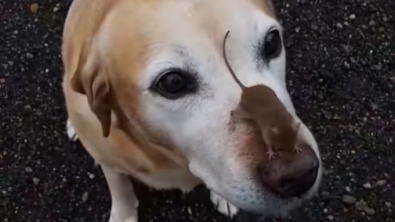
x,y
210,18
155,29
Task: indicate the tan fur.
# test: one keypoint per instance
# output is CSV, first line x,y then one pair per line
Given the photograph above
x,y
265,5
95,85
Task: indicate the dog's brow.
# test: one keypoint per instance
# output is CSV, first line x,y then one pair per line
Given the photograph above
x,y
180,50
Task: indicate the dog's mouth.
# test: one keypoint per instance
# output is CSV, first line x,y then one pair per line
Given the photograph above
x,y
275,186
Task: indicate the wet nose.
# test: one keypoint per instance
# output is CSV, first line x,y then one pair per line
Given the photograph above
x,y
291,175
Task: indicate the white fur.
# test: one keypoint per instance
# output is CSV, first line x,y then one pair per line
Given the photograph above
x,y
124,202
210,148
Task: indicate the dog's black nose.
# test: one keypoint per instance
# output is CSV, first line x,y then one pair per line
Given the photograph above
x,y
289,174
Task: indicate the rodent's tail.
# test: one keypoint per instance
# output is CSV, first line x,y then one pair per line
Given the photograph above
x,y
227,63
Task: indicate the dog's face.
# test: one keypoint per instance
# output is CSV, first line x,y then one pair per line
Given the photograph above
x,y
162,62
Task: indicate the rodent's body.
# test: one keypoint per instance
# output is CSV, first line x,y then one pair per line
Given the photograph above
x,y
260,104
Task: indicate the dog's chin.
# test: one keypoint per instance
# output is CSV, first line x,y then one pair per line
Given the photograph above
x,y
269,204
274,206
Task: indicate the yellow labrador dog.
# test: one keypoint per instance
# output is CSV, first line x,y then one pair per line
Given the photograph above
x,y
149,96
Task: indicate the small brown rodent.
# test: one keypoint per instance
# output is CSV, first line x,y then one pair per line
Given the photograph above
x,y
260,104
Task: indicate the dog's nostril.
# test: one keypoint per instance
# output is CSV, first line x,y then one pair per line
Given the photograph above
x,y
286,181
313,171
296,187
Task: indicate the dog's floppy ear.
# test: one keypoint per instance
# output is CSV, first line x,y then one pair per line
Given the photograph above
x,y
90,79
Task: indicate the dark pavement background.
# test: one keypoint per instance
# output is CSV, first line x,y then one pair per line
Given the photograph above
x,y
341,62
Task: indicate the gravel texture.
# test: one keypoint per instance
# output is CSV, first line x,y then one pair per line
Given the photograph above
x,y
341,73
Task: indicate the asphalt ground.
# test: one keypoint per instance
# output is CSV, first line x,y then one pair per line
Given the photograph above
x,y
341,62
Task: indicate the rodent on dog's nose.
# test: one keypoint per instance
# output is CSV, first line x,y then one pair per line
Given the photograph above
x,y
289,174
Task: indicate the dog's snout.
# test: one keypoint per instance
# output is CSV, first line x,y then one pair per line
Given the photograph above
x,y
291,175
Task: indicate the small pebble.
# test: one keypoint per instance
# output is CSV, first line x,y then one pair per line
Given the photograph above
x,y
352,16
388,204
359,205
85,196
36,181
369,210
325,194
339,25
348,189
330,217
56,8
376,67
189,211
349,199
34,8
374,108
381,182
367,186
346,64
28,170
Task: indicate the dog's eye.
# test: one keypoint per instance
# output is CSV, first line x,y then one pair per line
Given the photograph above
x,y
272,45
172,83
175,84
